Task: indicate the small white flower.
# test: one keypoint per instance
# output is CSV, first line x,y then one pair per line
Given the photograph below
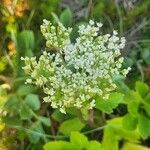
x,y
91,22
77,72
29,81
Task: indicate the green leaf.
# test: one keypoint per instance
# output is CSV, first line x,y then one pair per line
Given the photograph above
x,y
109,139
60,117
129,122
36,132
116,125
71,125
59,145
144,126
25,41
25,46
94,145
147,98
133,100
32,100
25,90
25,112
146,55
11,121
44,120
142,88
107,106
79,139
66,17
132,146
12,104
133,95
133,108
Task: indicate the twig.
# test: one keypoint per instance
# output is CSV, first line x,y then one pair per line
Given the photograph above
x,y
56,136
81,117
120,17
109,21
91,117
89,8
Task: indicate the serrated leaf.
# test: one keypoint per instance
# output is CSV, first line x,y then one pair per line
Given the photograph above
x,y
45,120
66,17
32,100
144,126
107,106
129,122
79,139
94,145
142,88
59,145
71,125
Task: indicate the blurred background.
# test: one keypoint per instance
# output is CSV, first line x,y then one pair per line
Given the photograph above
x,y
20,35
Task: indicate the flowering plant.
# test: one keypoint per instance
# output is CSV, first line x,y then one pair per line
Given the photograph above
x,y
77,72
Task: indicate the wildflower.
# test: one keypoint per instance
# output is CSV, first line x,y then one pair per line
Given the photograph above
x,y
77,73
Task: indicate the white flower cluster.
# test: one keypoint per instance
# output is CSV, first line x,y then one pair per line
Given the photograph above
x,y
74,76
57,37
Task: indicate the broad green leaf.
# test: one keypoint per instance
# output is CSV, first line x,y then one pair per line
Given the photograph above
x,y
122,133
71,125
110,139
94,145
133,100
107,106
133,108
59,145
66,17
144,126
32,100
132,146
25,112
142,88
79,139
36,132
129,122
45,120
133,95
